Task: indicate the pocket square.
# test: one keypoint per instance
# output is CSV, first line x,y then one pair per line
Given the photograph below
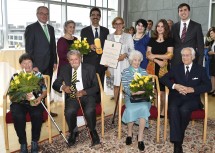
x,y
195,78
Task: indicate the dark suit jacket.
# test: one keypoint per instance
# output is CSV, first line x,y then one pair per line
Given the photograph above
x,y
89,79
194,39
37,45
93,58
197,79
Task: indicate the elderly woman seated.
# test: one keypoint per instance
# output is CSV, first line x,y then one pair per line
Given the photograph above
x,y
137,113
20,108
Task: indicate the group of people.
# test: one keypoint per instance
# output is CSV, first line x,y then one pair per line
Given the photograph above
x,y
165,52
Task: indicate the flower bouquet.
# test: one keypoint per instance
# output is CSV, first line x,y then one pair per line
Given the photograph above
x,y
142,83
24,83
82,46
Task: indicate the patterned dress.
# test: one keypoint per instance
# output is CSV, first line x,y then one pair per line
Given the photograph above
x,y
133,111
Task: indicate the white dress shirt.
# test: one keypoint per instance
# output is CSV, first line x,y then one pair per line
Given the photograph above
x,y
42,25
94,30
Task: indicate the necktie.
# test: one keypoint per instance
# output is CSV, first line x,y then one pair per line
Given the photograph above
x,y
184,31
45,29
187,72
96,33
73,84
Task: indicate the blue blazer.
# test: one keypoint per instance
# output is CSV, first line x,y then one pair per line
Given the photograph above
x,y
37,45
196,80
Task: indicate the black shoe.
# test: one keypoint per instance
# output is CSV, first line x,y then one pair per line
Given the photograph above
x,y
178,147
95,137
162,116
53,114
128,141
23,148
141,145
213,94
72,138
34,147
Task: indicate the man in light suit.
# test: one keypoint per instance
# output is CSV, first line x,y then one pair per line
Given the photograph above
x,y
191,37
40,44
90,33
86,86
186,82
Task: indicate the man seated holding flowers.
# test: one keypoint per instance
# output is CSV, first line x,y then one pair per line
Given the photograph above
x,y
134,80
27,90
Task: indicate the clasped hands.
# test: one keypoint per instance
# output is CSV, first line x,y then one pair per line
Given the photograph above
x,y
68,90
30,97
183,89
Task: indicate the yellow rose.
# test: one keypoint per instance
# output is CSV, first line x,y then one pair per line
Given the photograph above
x,y
79,45
76,41
17,81
76,45
16,77
146,79
88,46
29,77
141,82
85,39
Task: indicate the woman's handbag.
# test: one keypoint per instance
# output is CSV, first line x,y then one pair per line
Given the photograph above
x,y
138,99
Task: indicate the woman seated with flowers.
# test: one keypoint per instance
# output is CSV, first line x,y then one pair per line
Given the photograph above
x,y
137,112
27,90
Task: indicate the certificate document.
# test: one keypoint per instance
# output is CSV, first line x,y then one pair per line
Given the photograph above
x,y
111,53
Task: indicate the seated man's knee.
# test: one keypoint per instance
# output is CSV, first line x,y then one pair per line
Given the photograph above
x,y
89,111
71,111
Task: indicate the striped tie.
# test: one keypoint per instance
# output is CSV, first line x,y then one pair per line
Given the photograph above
x,y
184,31
73,84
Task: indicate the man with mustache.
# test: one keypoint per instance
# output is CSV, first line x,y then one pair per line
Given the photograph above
x,y
187,33
91,32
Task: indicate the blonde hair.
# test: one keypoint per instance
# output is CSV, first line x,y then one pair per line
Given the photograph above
x,y
118,18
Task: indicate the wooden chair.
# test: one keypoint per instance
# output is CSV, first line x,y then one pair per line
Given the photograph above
x,y
199,114
99,109
7,116
154,110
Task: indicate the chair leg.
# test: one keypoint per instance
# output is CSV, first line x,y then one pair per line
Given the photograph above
x,y
193,122
205,130
165,128
6,136
102,118
158,129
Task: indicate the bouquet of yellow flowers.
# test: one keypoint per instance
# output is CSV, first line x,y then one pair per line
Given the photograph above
x,y
142,83
82,46
24,83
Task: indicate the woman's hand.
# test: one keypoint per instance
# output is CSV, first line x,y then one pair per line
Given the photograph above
x,y
29,96
151,56
138,93
37,101
122,57
211,52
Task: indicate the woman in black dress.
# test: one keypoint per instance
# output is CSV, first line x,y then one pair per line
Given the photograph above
x,y
159,52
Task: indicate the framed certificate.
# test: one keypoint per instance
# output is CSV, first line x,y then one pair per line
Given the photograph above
x,y
111,53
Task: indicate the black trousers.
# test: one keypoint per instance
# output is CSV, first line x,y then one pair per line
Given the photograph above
x,y
179,112
19,112
71,109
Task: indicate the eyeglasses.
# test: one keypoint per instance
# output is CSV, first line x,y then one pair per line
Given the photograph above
x,y
43,14
186,55
118,23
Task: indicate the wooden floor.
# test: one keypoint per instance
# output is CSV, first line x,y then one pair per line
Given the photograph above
x,y
56,107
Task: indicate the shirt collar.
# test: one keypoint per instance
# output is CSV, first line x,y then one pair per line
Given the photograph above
x,y
190,66
187,22
42,24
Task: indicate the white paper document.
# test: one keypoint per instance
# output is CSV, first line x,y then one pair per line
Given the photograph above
x,y
111,53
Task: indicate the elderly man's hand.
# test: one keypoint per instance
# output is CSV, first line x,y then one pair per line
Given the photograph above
x,y
66,89
138,93
81,93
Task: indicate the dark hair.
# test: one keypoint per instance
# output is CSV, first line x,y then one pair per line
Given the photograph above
x,y
25,56
166,29
182,5
95,9
150,21
144,23
209,42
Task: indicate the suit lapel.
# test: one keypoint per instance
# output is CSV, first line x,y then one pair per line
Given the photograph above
x,y
189,30
42,33
178,29
84,76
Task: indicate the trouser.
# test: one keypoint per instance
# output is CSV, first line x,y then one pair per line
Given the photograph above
x,y
19,112
89,107
179,112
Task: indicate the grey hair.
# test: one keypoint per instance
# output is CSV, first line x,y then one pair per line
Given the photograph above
x,y
133,54
38,9
73,52
191,49
66,24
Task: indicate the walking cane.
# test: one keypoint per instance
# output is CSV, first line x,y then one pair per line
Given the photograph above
x,y
60,132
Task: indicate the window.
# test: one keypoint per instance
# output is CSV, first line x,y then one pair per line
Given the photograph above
x,y
21,13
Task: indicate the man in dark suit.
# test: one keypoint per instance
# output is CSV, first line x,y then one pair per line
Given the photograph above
x,y
40,44
186,82
86,86
187,33
91,32
149,30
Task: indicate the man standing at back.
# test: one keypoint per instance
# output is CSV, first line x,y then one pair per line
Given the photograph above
x,y
187,33
40,44
91,32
